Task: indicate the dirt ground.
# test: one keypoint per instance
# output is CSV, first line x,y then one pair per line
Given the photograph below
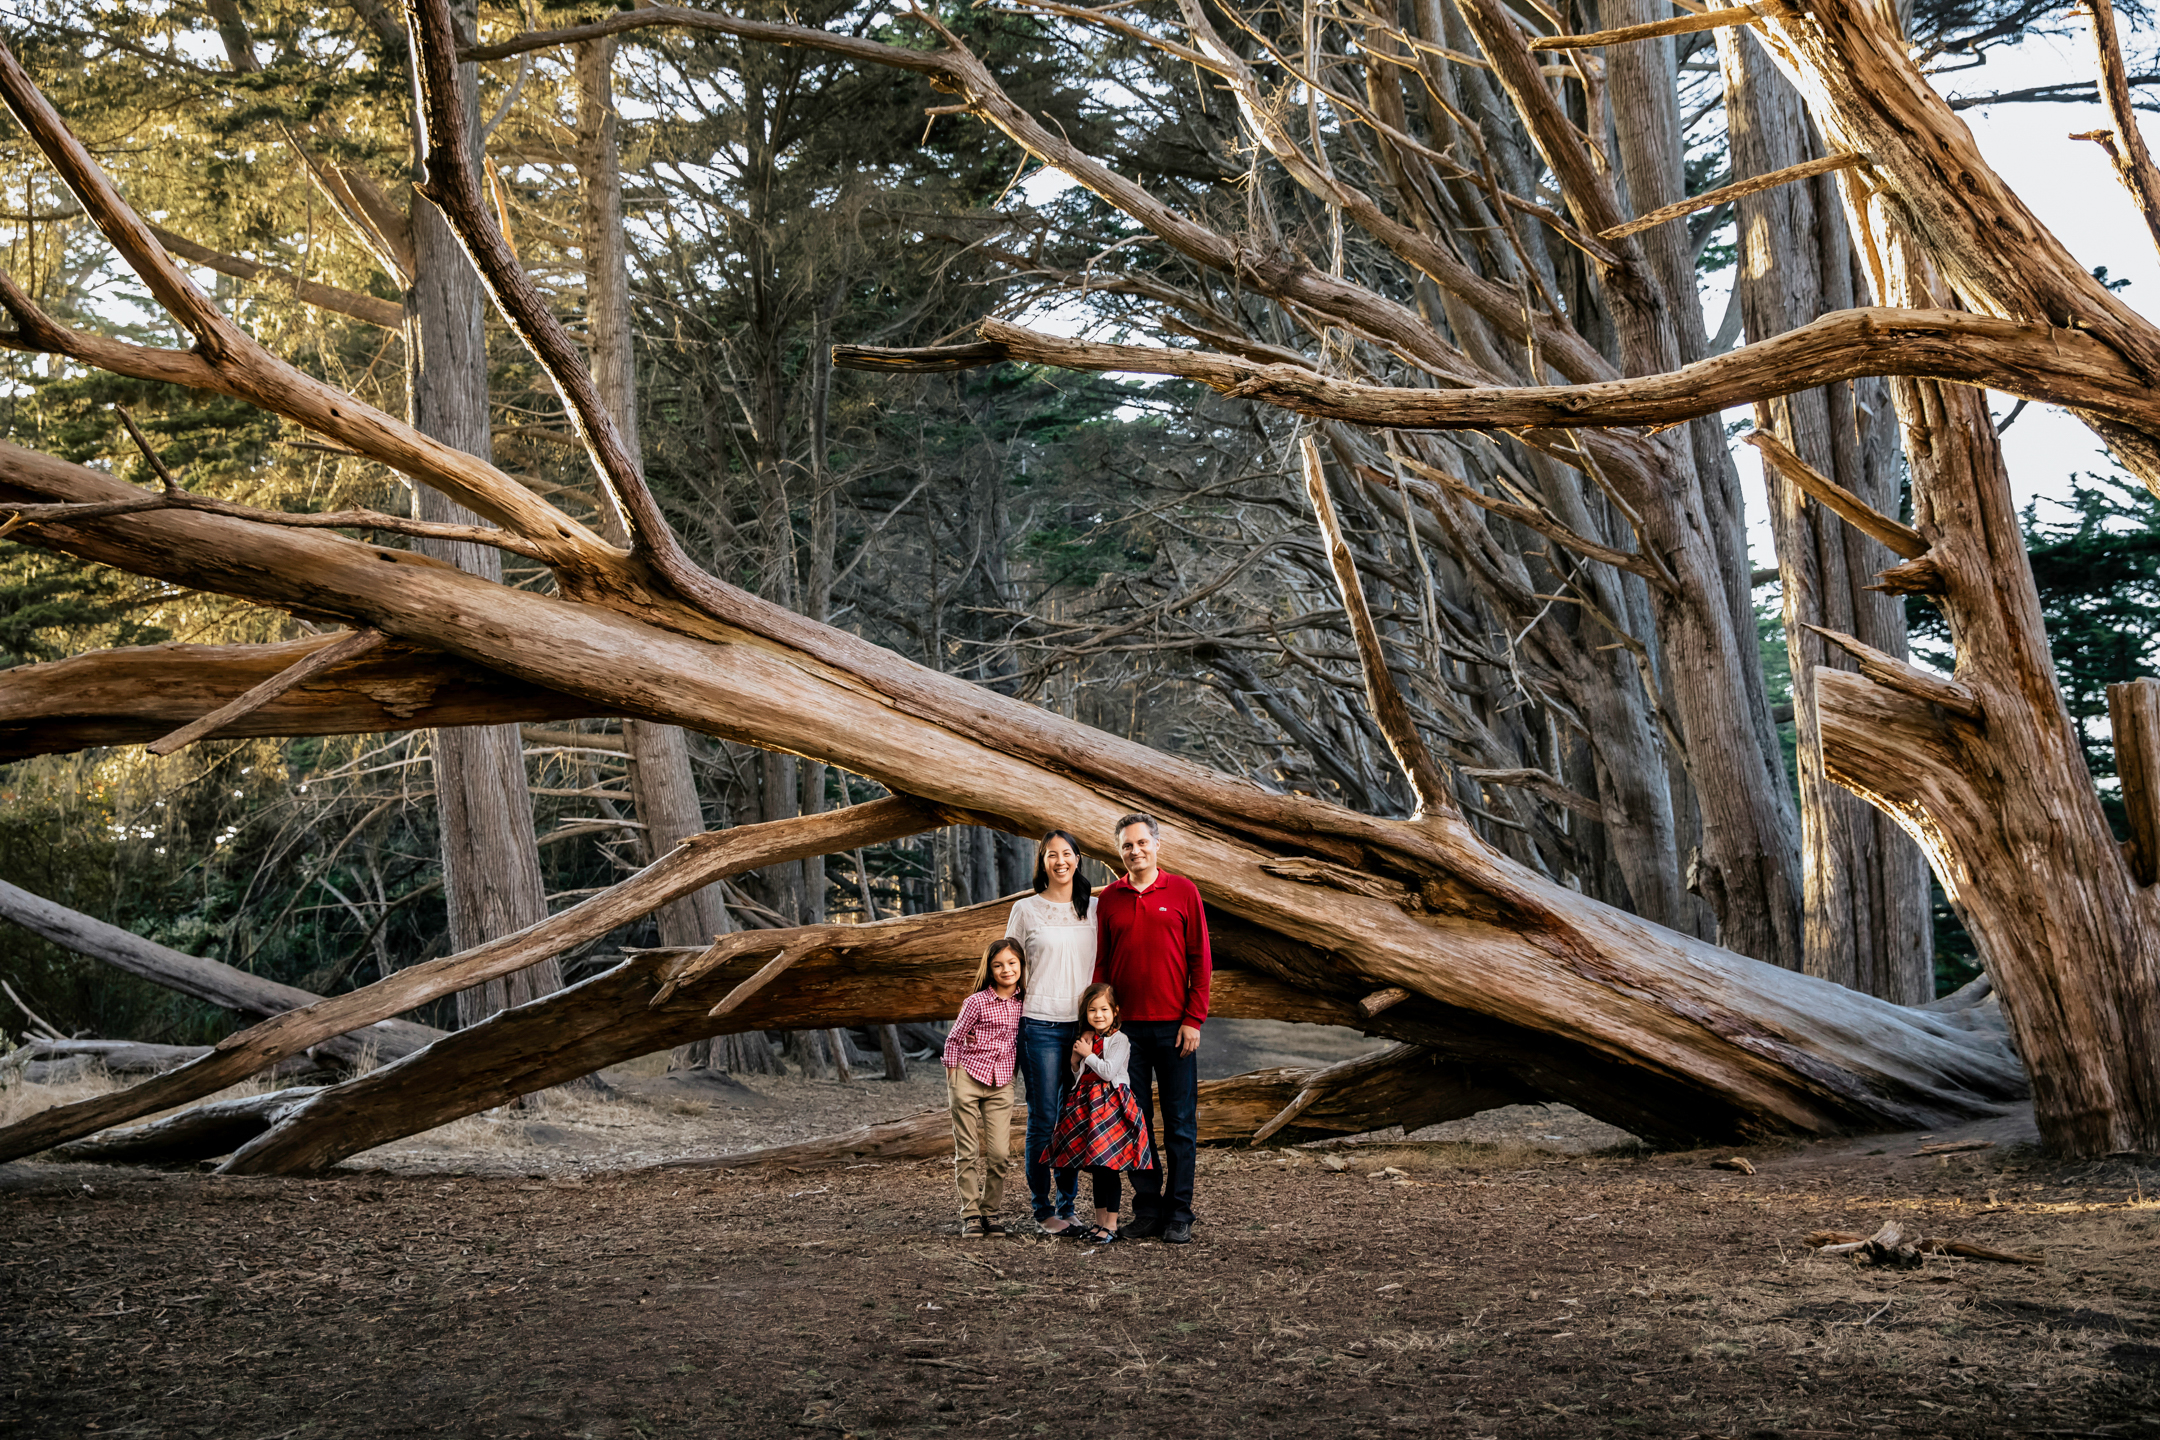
x,y
522,1281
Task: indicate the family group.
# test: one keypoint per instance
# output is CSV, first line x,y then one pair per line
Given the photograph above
x,y
1096,1000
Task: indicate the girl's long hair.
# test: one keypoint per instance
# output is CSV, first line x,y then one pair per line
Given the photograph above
x,y
982,971
1081,889
1087,997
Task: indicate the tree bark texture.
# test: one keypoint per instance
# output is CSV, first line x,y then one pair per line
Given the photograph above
x,y
1571,997
1429,907
1867,905
483,805
2000,798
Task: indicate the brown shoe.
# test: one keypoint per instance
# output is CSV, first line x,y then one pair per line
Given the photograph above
x,y
971,1227
991,1227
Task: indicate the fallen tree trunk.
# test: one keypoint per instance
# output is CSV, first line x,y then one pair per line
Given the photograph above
x,y
137,1057
383,1037
697,862
1414,1091
203,1133
132,696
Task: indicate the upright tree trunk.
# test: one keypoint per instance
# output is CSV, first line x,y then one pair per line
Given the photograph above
x,y
491,858
662,782
1867,909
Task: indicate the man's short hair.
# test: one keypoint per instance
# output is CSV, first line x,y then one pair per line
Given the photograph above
x,y
1154,827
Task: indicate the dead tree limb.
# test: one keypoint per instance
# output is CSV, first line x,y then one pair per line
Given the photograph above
x,y
914,967
203,1133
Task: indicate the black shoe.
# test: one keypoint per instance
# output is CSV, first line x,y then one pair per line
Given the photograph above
x,y
1178,1232
1144,1227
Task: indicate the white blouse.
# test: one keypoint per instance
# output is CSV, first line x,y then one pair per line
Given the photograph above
x,y
1060,956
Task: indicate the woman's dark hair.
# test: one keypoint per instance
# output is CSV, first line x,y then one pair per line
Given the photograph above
x,y
1108,992
997,946
1081,889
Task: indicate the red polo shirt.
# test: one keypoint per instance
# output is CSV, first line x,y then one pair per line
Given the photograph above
x,y
1153,946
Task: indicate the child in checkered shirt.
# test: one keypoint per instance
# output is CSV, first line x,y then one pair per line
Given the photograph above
x,y
980,1055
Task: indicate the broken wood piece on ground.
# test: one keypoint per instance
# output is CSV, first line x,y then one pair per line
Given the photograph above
x,y
1734,1162
1954,1147
1887,1246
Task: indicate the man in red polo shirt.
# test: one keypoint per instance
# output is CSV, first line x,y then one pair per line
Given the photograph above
x,y
1151,943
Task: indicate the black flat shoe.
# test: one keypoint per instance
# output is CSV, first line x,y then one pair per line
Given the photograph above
x,y
1179,1232
1144,1227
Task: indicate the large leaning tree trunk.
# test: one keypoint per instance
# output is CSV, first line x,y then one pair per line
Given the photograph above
x,y
1497,965
1867,906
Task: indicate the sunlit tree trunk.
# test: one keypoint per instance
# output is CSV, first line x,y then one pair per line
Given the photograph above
x,y
491,858
1867,909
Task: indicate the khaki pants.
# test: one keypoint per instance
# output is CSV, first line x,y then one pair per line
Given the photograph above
x,y
982,1142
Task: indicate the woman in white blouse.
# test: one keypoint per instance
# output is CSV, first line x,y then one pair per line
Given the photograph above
x,y
1057,925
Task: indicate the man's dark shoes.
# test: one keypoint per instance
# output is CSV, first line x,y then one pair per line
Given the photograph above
x,y
1144,1227
1179,1232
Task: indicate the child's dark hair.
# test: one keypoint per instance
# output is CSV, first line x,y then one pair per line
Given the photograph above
x,y
1108,992
1081,888
997,947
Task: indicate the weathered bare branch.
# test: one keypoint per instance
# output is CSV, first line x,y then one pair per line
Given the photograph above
x,y
1906,679
2055,366
1627,34
387,314
2125,144
228,360
129,696
1901,539
1393,716
1739,189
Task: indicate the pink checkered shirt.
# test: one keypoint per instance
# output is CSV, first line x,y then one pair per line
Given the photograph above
x,y
985,1040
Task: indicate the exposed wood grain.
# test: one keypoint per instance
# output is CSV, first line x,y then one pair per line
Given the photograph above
x,y
1628,34
1392,713
381,1037
129,696
2134,720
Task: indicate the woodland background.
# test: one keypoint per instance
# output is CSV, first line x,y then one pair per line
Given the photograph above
x,y
1139,556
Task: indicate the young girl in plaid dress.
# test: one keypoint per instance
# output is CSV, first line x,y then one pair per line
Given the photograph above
x,y
1101,1127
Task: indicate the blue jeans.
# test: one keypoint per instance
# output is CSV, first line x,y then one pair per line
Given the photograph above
x,y
1046,1070
1162,1076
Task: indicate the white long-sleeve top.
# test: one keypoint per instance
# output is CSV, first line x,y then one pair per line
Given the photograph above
x,y
1060,956
1114,1063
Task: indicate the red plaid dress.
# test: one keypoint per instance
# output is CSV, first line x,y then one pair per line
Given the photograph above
x,y
1101,1126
